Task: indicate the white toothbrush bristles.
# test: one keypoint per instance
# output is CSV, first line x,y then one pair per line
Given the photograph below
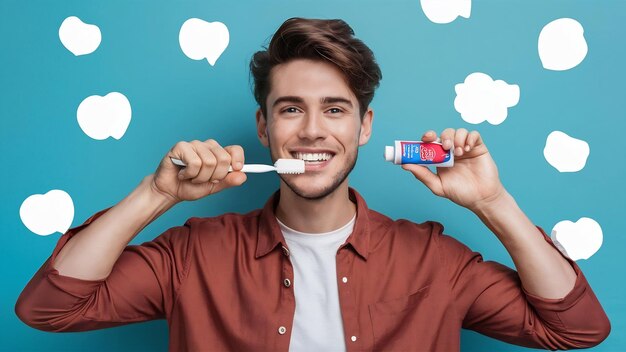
x,y
289,166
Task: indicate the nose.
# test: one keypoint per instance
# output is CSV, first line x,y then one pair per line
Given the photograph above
x,y
313,126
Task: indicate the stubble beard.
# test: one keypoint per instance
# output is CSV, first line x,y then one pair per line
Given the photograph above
x,y
337,180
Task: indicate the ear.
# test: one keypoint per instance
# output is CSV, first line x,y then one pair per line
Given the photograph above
x,y
366,126
261,127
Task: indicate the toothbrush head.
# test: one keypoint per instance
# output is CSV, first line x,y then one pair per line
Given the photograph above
x,y
289,166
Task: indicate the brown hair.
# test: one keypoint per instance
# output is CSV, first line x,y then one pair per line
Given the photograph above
x,y
327,40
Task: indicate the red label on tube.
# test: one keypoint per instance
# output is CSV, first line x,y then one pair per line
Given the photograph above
x,y
423,153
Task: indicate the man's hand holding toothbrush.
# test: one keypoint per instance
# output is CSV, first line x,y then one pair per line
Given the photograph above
x,y
207,168
206,171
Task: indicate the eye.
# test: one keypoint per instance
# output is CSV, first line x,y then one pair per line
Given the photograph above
x,y
290,110
335,110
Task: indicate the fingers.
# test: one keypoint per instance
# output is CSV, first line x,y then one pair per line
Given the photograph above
x,y
234,178
236,156
185,152
473,140
208,162
222,162
447,138
460,141
429,136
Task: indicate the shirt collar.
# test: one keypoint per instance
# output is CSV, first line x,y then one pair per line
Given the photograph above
x,y
269,235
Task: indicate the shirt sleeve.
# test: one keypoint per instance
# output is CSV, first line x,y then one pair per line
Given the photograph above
x,y
492,301
142,285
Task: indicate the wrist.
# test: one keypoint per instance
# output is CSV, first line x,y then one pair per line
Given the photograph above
x,y
505,219
500,201
156,196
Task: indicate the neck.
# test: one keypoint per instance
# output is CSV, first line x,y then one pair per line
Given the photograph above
x,y
315,216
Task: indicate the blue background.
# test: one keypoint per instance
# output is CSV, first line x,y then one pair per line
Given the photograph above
x,y
175,98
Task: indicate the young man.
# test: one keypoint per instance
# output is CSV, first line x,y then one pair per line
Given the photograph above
x,y
315,269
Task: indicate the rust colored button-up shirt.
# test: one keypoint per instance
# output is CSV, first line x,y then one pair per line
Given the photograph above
x,y
221,284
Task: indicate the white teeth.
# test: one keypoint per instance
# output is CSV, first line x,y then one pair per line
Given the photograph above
x,y
313,156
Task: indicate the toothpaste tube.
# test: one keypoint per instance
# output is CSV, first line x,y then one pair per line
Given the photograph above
x,y
417,152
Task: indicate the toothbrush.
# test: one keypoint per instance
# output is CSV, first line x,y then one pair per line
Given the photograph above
x,y
282,166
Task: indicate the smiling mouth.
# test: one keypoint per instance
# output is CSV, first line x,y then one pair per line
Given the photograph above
x,y
312,157
313,161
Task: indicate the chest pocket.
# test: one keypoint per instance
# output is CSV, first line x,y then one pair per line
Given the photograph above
x,y
400,323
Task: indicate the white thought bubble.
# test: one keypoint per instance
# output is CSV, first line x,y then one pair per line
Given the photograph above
x,y
45,214
480,99
200,39
446,11
104,117
565,153
580,239
79,37
562,44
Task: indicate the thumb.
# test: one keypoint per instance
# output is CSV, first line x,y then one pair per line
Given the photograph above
x,y
427,177
233,179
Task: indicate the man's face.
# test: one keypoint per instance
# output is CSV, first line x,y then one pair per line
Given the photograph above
x,y
313,115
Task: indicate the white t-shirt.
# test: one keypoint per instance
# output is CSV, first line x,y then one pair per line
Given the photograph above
x,y
317,324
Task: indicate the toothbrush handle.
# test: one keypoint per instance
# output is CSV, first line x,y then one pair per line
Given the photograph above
x,y
252,168
255,168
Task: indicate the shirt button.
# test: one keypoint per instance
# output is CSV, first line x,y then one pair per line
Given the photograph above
x,y
285,251
287,282
344,279
353,338
282,330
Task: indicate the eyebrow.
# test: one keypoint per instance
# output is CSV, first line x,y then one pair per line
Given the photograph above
x,y
324,100
288,99
333,100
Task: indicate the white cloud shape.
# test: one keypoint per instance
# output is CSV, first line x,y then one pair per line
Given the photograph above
x,y
45,214
579,240
200,39
565,153
446,11
79,37
481,98
562,44
104,117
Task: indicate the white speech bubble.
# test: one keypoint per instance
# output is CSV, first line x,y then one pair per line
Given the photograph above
x,y
79,37
562,44
104,117
446,11
480,99
565,153
579,240
200,39
45,214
